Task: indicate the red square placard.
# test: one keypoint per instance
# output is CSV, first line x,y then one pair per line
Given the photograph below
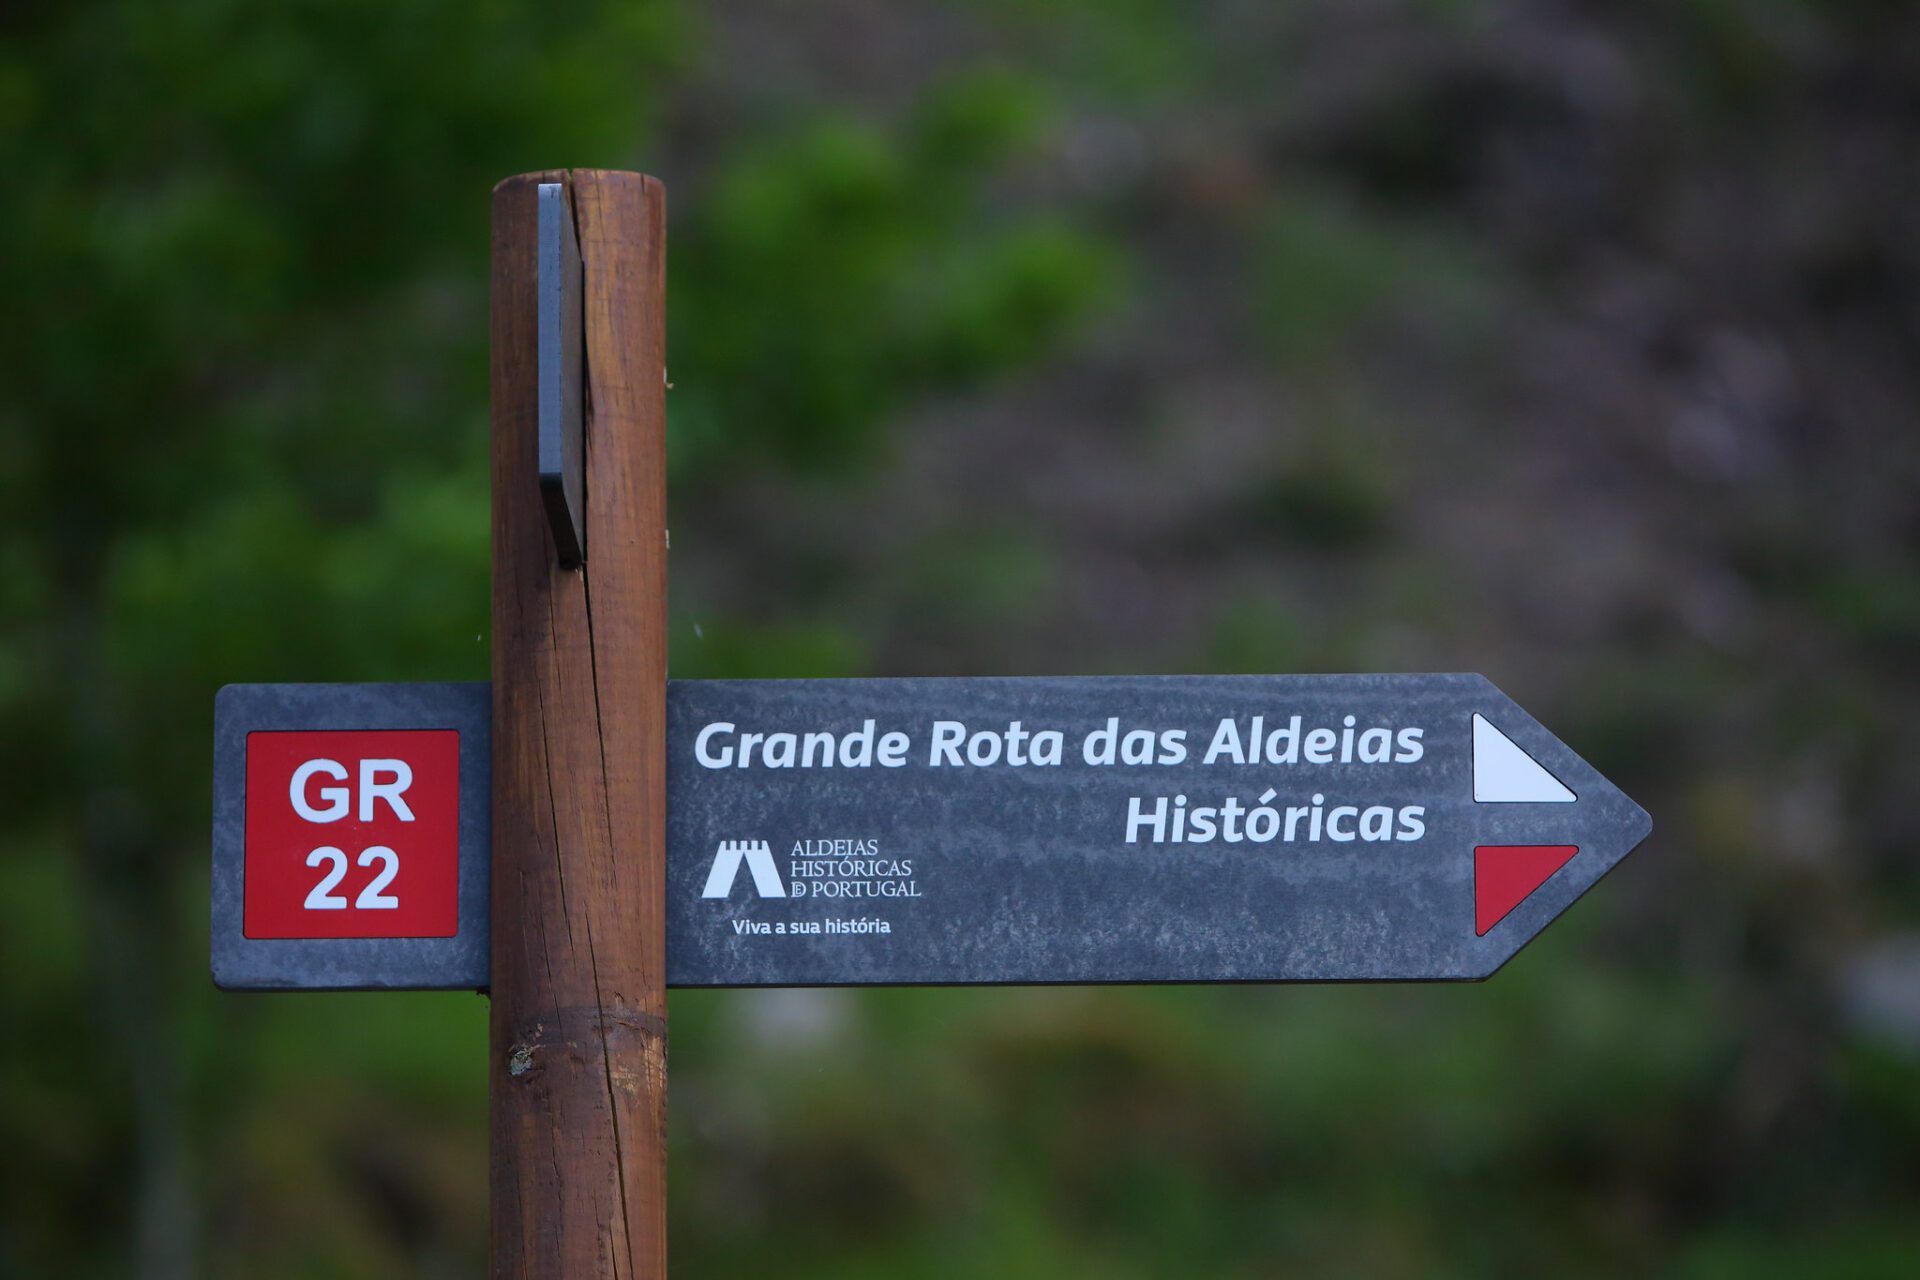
x,y
353,834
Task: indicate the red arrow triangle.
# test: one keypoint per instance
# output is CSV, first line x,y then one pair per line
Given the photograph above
x,y
1504,874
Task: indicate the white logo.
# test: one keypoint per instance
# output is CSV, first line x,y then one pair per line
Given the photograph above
x,y
726,869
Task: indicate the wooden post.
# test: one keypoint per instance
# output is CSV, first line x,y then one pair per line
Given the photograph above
x,y
578,1067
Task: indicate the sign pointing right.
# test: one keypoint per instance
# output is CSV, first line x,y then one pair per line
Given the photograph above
x,y
1120,829
944,831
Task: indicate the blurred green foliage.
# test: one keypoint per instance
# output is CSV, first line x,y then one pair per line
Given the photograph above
x,y
841,270
1574,347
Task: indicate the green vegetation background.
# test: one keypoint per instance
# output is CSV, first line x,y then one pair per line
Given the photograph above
x,y
1577,344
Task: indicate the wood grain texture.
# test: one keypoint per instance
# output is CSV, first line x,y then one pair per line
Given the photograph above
x,y
578,1067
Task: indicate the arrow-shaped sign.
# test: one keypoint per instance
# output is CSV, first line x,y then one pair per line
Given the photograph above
x,y
1138,829
1003,830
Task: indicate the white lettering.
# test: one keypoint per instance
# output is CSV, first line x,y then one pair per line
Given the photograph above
x,y
1138,818
700,753
371,788
335,797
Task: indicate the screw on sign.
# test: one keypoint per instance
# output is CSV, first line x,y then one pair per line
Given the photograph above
x,y
353,834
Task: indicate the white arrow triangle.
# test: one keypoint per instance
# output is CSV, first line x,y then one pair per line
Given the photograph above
x,y
1504,774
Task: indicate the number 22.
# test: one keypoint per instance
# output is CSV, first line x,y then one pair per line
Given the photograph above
x,y
322,896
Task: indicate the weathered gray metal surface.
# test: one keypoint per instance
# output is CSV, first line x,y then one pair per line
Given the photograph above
x,y
562,371
272,964
1004,873
1025,875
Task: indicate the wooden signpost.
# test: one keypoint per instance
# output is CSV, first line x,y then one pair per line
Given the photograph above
x,y
578,1067
580,834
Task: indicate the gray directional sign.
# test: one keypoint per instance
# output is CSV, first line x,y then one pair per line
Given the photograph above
x,y
1128,829
947,831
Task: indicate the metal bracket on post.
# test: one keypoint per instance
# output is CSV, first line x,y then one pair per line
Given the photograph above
x,y
562,375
